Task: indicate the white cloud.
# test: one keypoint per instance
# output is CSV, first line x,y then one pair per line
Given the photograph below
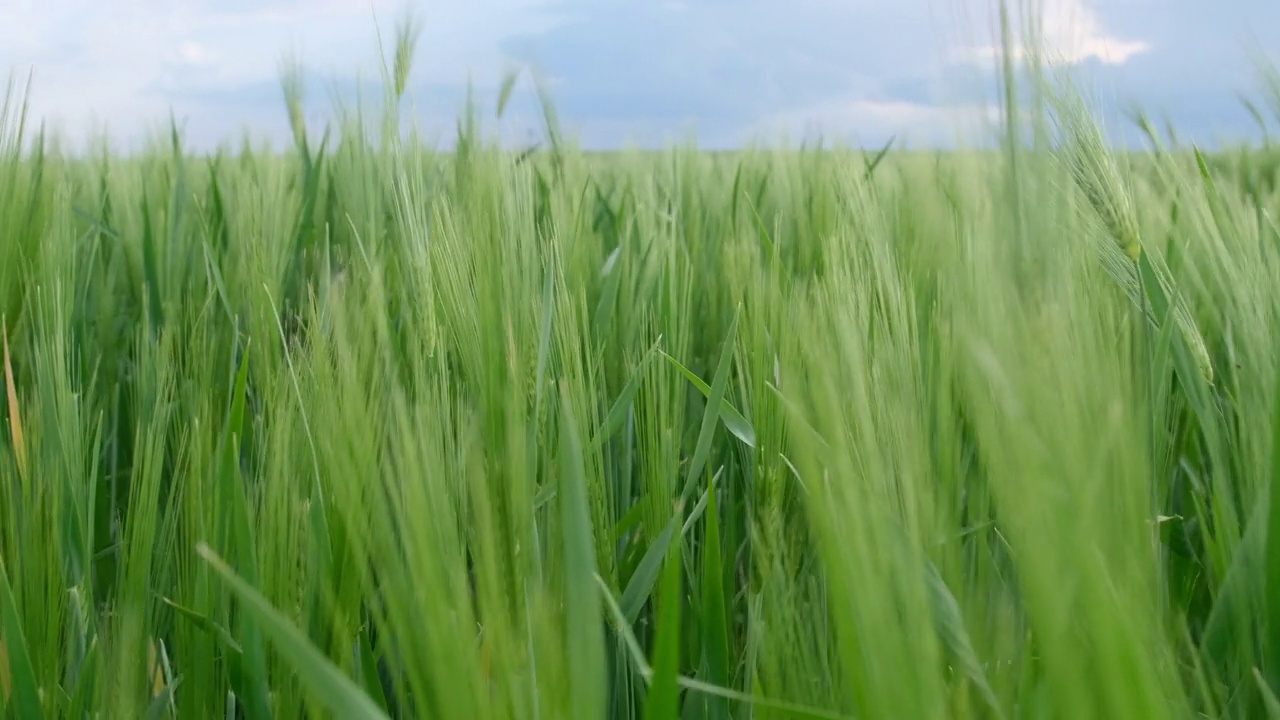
x,y
127,63
649,70
194,54
1068,31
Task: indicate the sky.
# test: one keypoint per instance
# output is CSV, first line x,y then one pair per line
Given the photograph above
x,y
641,73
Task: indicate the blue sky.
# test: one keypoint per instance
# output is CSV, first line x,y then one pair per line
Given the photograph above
x,y
642,72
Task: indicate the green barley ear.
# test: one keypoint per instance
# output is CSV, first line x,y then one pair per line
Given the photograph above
x,y
291,84
1094,172
406,42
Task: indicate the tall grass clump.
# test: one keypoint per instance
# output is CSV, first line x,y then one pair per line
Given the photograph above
x,y
367,429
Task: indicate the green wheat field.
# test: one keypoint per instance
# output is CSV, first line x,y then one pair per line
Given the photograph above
x,y
367,430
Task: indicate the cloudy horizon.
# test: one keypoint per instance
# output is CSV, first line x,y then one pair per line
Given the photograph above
x,y
624,74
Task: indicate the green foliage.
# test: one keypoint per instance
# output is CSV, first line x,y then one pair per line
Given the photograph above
x,y
367,430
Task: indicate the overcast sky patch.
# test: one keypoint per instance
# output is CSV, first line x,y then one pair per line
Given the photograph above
x,y
628,73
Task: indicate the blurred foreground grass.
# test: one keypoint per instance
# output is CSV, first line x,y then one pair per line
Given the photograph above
x,y
367,430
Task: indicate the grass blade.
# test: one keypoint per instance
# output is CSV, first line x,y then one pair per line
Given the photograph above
x,y
714,617
876,159
1271,559
338,692
239,534
1269,700
25,701
82,695
663,700
207,625
612,275
791,710
640,586
163,701
715,401
369,672
733,421
585,641
15,416
617,414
